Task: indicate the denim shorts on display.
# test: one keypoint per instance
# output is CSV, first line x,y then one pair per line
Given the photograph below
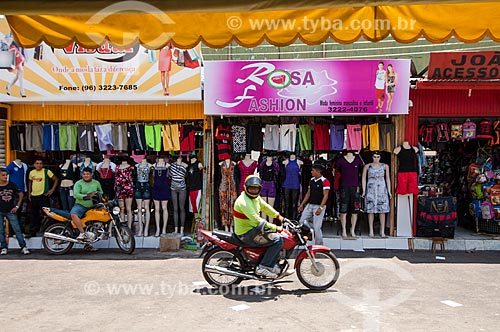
x,y
142,190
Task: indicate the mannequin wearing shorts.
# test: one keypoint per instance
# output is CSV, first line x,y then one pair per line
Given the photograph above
x,y
268,171
142,194
349,167
407,169
161,194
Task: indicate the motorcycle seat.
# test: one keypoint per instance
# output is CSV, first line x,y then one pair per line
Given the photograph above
x,y
62,213
230,237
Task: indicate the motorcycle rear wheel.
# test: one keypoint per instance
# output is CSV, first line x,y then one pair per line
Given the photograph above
x,y
127,241
326,274
57,247
224,259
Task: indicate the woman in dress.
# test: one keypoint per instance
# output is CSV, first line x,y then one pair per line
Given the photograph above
x,y
376,184
391,80
164,66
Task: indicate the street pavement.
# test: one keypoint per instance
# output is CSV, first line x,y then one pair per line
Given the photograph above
x,y
155,291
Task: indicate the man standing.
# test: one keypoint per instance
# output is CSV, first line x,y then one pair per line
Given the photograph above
x,y
316,197
39,192
10,197
84,190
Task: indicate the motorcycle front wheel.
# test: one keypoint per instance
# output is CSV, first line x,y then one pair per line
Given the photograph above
x,y
125,239
225,260
322,275
57,247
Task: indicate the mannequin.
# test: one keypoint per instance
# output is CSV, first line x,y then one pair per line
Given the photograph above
x,y
178,189
349,166
195,180
407,169
17,173
376,184
68,176
106,170
125,190
87,163
227,194
142,194
161,193
292,185
268,170
246,166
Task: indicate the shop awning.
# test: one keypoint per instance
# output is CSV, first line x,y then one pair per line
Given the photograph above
x,y
248,23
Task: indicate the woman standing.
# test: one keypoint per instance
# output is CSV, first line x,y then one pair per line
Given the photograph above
x,y
376,185
164,66
391,80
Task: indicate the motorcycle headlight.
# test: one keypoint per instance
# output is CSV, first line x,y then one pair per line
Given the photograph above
x,y
116,210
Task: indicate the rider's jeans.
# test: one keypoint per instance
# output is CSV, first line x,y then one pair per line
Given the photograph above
x,y
14,224
271,256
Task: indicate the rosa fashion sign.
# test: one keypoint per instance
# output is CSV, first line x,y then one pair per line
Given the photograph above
x,y
307,87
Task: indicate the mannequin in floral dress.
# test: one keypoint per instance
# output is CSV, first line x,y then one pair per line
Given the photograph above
x,y
227,193
124,188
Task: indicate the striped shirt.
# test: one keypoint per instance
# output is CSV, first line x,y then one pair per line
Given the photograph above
x,y
178,176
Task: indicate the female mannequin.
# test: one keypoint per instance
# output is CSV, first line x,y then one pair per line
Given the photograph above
x,y
178,189
125,190
268,170
292,185
161,193
376,184
87,163
106,170
227,193
142,194
407,169
195,179
246,166
349,167
68,176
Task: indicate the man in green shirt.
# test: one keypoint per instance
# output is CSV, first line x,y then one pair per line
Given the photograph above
x,y
84,190
246,225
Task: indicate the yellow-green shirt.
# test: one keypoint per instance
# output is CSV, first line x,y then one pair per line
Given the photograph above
x,y
38,180
251,209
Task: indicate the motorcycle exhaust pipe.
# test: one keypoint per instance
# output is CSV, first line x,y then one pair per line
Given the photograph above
x,y
222,270
59,237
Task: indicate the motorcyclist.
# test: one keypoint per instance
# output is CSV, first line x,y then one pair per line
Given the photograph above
x,y
84,190
247,219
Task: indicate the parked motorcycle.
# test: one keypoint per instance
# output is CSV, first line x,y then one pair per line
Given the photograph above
x,y
100,222
229,261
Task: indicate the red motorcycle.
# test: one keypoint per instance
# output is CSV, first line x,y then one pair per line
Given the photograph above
x,y
229,261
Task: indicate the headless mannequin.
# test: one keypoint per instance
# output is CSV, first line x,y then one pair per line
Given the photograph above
x,y
87,163
143,165
248,160
126,204
164,203
292,188
269,200
227,163
343,216
371,216
195,180
405,145
178,201
67,199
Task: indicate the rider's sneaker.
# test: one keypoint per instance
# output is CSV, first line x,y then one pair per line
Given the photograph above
x,y
4,251
276,269
264,271
25,251
82,237
89,247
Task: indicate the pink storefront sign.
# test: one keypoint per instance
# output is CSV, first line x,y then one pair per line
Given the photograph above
x,y
307,87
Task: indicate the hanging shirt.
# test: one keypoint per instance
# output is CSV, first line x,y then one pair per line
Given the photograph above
x,y
104,136
305,137
137,137
336,137
271,137
239,139
67,137
120,137
34,137
321,137
288,137
171,140
354,137
186,138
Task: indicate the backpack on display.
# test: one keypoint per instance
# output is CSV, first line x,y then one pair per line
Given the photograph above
x,y
468,129
475,208
427,132
442,132
487,210
495,194
484,129
456,131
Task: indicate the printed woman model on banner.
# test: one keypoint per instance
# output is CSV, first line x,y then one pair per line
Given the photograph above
x,y
391,80
18,68
164,66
